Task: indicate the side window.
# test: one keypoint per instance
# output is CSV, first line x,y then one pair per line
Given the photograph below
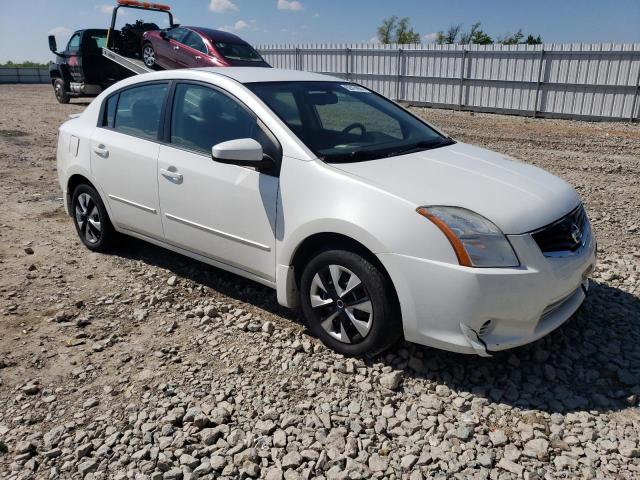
x,y
178,34
74,43
203,117
194,41
138,110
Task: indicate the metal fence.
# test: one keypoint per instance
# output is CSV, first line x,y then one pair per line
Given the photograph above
x,y
584,81
24,75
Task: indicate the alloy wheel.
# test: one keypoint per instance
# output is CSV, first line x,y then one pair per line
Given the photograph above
x,y
343,304
58,91
149,56
88,218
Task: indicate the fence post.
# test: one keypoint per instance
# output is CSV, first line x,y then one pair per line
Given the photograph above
x,y
635,98
463,67
539,83
298,59
347,61
399,73
18,74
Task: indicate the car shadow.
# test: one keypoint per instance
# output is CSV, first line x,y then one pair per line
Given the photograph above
x,y
592,362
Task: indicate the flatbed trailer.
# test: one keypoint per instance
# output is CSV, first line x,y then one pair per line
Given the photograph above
x,y
133,64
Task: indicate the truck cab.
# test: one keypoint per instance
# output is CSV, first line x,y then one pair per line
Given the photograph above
x,y
80,70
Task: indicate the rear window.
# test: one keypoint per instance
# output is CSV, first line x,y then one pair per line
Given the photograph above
x,y
238,51
138,111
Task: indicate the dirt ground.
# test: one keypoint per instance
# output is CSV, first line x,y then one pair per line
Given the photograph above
x,y
77,326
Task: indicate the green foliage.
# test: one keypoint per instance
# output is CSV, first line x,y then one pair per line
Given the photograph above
x,y
395,30
25,63
450,36
476,35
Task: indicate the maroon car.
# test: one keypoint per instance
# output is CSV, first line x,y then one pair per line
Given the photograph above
x,y
182,47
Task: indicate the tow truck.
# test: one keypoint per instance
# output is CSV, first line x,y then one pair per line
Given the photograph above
x,y
95,59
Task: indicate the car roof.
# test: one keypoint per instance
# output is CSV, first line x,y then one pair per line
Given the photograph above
x,y
266,74
218,35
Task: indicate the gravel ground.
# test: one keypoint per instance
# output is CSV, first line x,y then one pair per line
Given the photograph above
x,y
147,365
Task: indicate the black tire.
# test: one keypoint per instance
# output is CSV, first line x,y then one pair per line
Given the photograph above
x,y
60,91
149,56
384,324
85,215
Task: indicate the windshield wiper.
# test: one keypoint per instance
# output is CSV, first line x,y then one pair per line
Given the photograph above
x,y
355,156
422,145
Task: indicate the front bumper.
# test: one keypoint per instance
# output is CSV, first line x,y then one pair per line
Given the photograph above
x,y
483,310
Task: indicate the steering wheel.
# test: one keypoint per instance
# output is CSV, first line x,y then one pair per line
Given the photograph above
x,y
362,128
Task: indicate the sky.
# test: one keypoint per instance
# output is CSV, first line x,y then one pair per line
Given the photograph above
x,y
24,25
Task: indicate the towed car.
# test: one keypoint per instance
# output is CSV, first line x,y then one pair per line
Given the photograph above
x,y
374,223
183,47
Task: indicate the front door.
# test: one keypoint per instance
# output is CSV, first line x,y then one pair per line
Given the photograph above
x,y
224,212
124,157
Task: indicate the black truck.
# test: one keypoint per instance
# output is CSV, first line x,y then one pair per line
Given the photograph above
x,y
95,58
81,70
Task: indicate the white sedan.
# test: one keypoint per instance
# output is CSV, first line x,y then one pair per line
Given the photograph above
x,y
375,224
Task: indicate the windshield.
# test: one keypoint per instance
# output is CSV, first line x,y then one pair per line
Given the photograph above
x,y
344,122
238,51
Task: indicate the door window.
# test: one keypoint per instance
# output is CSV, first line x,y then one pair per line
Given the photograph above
x,y
194,41
203,117
178,34
74,44
138,110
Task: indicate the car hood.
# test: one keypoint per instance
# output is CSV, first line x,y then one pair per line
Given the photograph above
x,y
515,196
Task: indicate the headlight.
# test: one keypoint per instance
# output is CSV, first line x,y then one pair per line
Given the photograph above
x,y
476,241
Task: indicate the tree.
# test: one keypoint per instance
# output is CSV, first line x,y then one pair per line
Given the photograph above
x,y
476,35
405,34
531,40
517,38
450,36
394,30
385,31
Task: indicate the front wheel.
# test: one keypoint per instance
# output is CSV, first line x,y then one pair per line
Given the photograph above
x,y
91,220
149,56
348,303
60,91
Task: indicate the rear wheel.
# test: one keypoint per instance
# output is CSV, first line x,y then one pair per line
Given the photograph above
x,y
149,55
91,220
60,90
348,303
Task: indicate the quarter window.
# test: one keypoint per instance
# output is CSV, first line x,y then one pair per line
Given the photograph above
x,y
203,117
138,111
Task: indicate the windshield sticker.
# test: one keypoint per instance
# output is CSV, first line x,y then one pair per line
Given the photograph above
x,y
354,88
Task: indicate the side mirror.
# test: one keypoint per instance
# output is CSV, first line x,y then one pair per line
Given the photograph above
x,y
163,35
245,152
52,43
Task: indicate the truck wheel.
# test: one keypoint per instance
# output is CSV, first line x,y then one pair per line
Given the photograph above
x,y
60,90
149,56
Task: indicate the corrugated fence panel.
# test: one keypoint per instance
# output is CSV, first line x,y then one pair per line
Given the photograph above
x,y
24,75
595,81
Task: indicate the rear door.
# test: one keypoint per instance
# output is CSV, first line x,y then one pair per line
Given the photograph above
x,y
124,157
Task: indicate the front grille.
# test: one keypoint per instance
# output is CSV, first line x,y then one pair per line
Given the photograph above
x,y
566,234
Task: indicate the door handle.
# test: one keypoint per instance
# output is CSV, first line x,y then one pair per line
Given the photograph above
x,y
176,47
198,57
101,151
171,175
